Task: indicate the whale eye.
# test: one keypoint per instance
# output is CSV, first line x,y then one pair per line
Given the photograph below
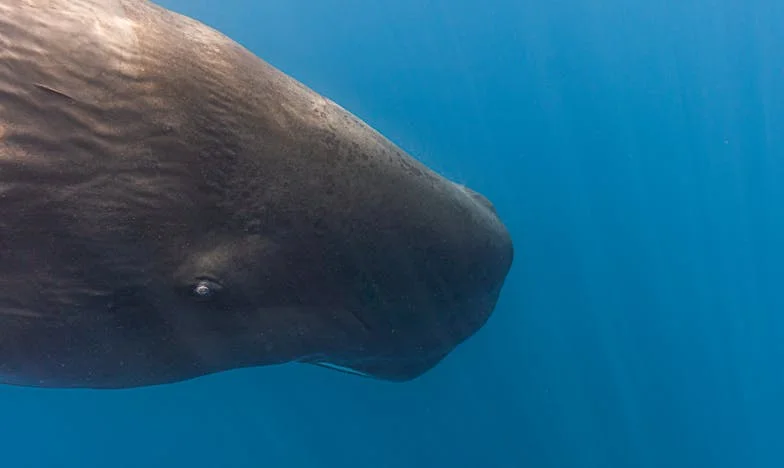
x,y
205,289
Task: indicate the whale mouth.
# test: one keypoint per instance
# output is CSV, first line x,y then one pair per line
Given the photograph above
x,y
339,368
382,368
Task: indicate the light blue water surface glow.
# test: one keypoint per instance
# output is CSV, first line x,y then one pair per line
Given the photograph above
x,y
634,148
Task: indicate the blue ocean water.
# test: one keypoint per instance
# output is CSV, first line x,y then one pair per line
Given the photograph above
x,y
634,149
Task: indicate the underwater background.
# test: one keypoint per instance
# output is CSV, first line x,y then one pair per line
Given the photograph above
x,y
635,150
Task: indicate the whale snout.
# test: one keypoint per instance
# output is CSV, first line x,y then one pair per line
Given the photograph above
x,y
479,198
490,241
441,288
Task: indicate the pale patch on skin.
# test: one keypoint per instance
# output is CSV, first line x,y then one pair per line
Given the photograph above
x,y
19,312
118,34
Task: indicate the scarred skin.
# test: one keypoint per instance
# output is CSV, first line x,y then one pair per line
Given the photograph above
x,y
172,206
